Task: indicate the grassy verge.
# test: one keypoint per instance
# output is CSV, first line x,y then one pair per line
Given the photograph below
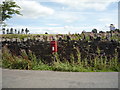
x,y
30,62
0,58
22,36
73,37
0,63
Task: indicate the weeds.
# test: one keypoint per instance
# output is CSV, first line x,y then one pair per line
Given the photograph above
x,y
30,62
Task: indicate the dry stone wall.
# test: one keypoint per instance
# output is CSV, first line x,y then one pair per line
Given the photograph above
x,y
87,49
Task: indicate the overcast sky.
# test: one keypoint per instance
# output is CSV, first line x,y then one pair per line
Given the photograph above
x,y
63,16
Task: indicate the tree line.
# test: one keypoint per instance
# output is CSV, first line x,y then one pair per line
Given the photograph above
x,y
14,31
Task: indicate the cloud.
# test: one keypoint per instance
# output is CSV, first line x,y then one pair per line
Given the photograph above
x,y
98,5
1,1
33,9
105,20
53,24
68,17
109,18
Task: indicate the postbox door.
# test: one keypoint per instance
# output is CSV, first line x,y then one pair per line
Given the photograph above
x,y
54,46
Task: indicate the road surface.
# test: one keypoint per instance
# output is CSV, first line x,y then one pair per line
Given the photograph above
x,y
0,78
51,79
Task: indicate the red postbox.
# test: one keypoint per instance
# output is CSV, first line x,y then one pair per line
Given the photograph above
x,y
53,45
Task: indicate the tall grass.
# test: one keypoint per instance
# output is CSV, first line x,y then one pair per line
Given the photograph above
x,y
30,62
0,58
13,62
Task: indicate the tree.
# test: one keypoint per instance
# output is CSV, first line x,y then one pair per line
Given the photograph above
x,y
3,30
9,8
26,31
101,32
22,31
94,30
18,32
117,30
11,31
46,33
7,31
15,31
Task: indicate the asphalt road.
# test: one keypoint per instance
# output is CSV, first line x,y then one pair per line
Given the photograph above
x,y
51,79
0,78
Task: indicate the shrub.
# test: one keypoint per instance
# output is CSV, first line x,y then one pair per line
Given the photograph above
x,y
74,65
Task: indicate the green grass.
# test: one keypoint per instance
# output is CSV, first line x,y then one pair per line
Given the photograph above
x,y
0,58
0,63
73,37
32,63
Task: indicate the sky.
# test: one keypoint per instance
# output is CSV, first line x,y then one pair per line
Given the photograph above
x,y
64,16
